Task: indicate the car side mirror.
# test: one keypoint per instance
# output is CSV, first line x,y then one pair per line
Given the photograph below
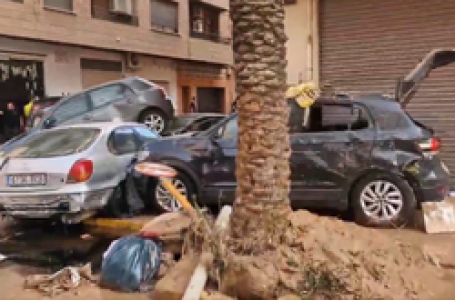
x,y
49,123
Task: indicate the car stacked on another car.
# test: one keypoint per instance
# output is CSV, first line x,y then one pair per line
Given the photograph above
x,y
130,99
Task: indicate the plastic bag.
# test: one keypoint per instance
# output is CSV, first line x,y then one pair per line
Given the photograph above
x,y
130,264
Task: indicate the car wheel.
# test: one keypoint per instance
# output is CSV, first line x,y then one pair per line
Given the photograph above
x,y
383,200
154,119
164,201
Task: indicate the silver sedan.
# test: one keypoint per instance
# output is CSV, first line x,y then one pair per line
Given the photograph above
x,y
70,169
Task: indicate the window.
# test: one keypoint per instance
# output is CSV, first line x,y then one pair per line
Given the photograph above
x,y
202,124
331,117
75,106
124,14
106,95
59,4
164,15
123,141
140,85
16,1
229,130
59,142
205,21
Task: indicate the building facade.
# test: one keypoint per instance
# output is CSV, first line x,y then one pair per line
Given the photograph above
x,y
55,47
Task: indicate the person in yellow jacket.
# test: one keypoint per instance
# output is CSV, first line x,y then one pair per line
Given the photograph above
x,y
28,108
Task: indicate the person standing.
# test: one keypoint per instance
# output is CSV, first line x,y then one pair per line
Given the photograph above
x,y
12,121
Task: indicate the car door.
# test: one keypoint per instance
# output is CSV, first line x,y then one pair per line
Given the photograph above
x,y
325,156
219,177
73,110
113,101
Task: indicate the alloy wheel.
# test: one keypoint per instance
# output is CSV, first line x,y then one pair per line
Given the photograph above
x,y
155,122
381,200
165,200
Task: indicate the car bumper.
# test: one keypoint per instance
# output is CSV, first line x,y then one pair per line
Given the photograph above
x,y
43,205
436,193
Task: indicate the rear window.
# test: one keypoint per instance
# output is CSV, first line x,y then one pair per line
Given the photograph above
x,y
390,117
140,85
60,142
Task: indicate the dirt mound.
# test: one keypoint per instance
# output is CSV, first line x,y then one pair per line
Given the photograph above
x,y
326,258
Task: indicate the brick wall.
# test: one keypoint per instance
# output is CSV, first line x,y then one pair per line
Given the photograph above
x,y
31,20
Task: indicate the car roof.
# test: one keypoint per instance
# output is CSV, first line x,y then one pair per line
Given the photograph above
x,y
126,80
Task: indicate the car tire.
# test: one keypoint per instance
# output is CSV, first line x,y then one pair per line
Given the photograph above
x,y
149,117
383,200
117,206
181,182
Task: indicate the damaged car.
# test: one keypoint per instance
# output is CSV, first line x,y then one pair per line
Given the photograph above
x,y
70,170
364,154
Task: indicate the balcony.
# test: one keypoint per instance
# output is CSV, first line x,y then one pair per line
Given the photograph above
x,y
101,10
214,37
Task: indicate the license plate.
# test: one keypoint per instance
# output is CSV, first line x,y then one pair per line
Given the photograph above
x,y
26,180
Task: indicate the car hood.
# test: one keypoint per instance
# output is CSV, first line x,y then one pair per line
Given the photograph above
x,y
408,86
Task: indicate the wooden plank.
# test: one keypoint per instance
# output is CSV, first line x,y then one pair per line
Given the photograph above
x,y
172,286
198,280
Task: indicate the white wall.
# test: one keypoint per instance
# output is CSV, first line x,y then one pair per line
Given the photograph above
x,y
300,28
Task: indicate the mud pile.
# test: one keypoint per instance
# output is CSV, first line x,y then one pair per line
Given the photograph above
x,y
326,258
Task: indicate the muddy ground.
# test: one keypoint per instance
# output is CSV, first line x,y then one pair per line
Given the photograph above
x,y
45,251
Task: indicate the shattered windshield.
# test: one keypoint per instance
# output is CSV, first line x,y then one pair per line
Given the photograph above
x,y
60,142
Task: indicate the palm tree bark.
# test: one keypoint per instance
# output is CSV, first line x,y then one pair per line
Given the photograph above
x,y
262,196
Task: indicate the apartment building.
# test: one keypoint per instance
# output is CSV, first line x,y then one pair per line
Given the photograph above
x,y
55,47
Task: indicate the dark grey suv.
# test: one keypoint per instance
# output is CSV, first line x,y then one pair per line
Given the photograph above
x,y
130,99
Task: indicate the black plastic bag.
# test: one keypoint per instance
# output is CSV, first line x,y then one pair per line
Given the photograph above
x,y
130,264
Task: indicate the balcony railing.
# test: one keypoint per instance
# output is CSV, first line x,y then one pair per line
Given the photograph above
x,y
103,13
211,37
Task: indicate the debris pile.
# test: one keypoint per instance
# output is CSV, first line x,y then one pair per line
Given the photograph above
x,y
326,258
321,258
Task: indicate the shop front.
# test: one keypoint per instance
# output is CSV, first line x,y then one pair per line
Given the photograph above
x,y
204,88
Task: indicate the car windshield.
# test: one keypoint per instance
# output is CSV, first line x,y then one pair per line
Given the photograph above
x,y
180,122
54,143
213,128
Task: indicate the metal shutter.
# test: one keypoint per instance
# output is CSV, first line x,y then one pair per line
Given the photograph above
x,y
367,45
96,72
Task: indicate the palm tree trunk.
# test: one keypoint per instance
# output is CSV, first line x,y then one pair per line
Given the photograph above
x,y
262,199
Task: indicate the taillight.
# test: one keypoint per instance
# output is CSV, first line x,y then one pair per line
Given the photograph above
x,y
81,171
36,107
432,145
